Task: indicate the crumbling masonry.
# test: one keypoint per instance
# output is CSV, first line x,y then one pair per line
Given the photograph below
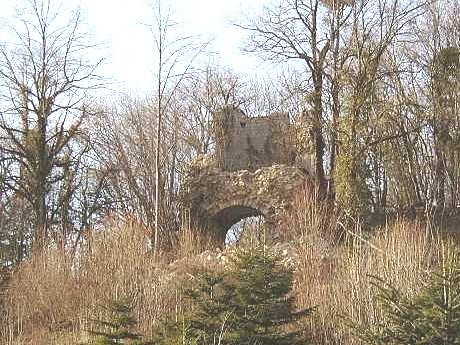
x,y
254,171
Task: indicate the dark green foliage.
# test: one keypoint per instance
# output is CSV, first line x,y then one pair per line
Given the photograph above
x,y
432,317
210,318
250,304
214,314
116,327
446,64
262,303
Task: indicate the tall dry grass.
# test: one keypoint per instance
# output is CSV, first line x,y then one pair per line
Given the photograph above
x,y
336,262
51,296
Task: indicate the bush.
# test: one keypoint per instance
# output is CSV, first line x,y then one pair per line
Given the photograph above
x,y
251,304
431,317
116,327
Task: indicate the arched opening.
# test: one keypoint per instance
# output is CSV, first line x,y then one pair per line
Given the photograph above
x,y
247,230
235,221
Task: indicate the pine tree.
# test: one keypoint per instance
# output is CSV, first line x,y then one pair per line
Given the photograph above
x,y
116,327
262,302
210,317
432,317
250,304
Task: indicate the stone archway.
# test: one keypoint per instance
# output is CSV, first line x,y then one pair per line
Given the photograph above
x,y
229,216
218,199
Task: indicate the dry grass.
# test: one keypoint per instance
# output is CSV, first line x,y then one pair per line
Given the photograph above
x,y
42,296
336,265
52,295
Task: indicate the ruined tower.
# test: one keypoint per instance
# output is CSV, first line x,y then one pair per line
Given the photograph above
x,y
250,143
253,172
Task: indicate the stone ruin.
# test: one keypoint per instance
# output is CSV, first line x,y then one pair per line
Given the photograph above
x,y
254,171
250,143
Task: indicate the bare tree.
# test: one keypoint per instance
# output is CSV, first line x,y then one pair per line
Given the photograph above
x,y
293,30
422,164
122,137
176,54
45,77
199,99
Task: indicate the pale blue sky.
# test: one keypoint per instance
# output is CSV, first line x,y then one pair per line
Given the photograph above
x,y
128,43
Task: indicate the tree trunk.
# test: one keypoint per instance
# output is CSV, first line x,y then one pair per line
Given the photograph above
x,y
317,132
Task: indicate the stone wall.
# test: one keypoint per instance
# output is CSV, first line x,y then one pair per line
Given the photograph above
x,y
249,143
221,198
258,166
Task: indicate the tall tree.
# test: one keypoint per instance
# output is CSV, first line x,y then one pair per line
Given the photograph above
x,y
45,77
176,54
446,95
294,30
363,75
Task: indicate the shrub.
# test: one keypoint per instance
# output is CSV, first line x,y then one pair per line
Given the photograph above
x,y
116,327
250,304
431,317
262,300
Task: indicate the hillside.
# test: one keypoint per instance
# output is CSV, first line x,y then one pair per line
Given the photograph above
x,y
333,269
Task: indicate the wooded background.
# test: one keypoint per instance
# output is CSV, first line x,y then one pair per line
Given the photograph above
x,y
375,85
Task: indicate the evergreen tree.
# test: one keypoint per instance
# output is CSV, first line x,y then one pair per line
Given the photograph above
x,y
251,304
117,327
210,316
262,302
432,317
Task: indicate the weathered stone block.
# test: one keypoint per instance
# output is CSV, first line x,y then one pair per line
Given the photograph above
x,y
249,143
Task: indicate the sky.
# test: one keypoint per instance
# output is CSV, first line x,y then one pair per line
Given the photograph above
x,y
127,43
